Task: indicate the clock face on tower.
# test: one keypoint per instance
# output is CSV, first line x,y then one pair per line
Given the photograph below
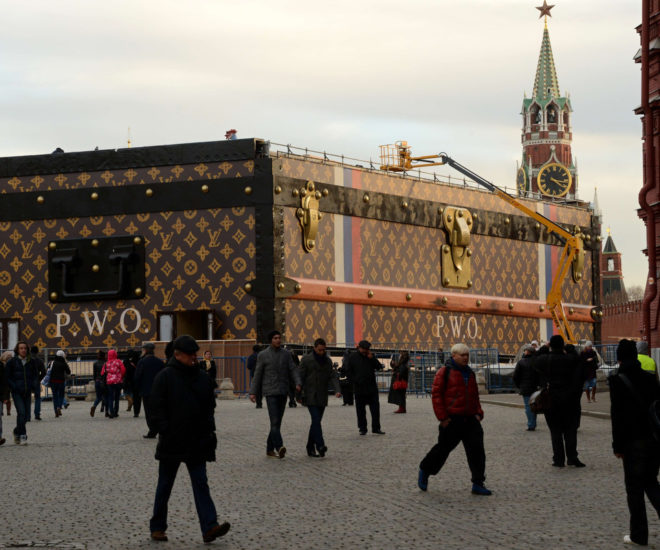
x,y
521,181
554,180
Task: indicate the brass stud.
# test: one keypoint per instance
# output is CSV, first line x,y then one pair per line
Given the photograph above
x,y
317,194
370,294
444,300
297,288
571,311
459,213
507,221
149,192
445,281
578,276
137,240
324,192
541,308
96,268
95,242
53,296
278,189
320,215
295,192
329,290
40,199
408,297
537,225
303,192
475,216
247,287
310,185
280,286
94,196
510,305
248,190
365,198
52,245
469,283
598,238
469,252
450,218
478,303
600,314
440,211
404,205
469,221
445,248
205,188
588,238
138,291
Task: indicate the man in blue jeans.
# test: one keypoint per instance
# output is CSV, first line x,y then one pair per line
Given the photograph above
x,y
526,379
272,377
41,372
21,376
182,407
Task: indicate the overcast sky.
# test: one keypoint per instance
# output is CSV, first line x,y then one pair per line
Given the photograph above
x,y
342,76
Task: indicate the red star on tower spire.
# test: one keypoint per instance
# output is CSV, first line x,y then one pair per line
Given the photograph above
x,y
545,9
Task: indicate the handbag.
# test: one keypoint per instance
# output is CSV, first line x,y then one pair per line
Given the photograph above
x,y
539,401
400,385
45,381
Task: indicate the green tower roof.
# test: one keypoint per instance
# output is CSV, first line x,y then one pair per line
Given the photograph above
x,y
545,83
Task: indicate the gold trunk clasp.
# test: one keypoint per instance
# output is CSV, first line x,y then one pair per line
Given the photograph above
x,y
308,214
456,266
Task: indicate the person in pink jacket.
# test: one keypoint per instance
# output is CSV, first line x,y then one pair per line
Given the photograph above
x,y
114,372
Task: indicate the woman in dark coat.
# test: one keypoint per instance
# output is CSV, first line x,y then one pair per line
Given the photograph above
x,y
399,378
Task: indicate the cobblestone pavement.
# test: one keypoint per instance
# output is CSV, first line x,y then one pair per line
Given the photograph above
x,y
86,482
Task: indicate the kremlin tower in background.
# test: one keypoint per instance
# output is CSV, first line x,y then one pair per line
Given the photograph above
x,y
547,167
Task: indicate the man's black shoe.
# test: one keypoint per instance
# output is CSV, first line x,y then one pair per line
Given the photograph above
x,y
313,454
322,451
150,436
37,418
363,432
558,464
379,432
576,463
216,531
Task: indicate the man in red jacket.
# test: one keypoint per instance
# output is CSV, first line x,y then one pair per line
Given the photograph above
x,y
456,404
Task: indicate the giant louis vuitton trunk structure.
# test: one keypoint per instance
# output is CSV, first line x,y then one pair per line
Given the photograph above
x,y
227,240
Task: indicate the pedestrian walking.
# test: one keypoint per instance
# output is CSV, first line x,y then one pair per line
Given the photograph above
x,y
100,387
317,373
526,379
130,364
632,390
362,367
114,371
182,410
4,387
274,374
21,374
399,382
564,377
41,372
59,370
292,387
147,369
251,366
455,398
344,383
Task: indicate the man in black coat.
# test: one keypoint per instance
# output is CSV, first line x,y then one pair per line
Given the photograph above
x,y
145,373
361,370
21,375
41,372
632,391
182,411
561,371
526,379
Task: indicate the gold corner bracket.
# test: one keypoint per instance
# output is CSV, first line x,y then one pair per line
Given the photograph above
x,y
308,214
456,265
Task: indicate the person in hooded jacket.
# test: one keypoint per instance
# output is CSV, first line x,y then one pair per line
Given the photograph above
x,y
526,379
400,375
632,390
59,369
114,371
182,406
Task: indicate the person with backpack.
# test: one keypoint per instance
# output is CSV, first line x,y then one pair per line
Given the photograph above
x,y
455,398
632,392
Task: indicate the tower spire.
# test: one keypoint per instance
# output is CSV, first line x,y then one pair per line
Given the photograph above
x,y
546,84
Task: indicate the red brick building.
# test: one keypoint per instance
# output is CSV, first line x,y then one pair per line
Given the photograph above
x,y
649,195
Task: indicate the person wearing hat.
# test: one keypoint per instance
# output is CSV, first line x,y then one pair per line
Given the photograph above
x,y
145,373
361,370
647,362
182,412
274,374
526,379
632,390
